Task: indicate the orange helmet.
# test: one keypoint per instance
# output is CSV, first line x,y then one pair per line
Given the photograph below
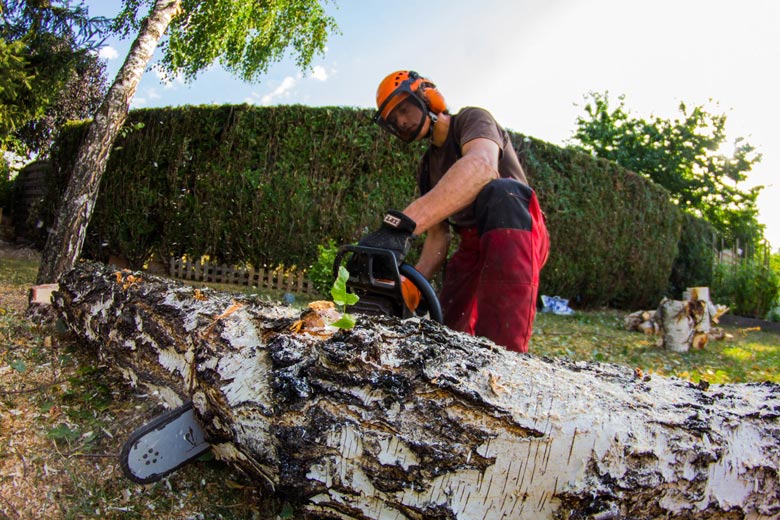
x,y
401,86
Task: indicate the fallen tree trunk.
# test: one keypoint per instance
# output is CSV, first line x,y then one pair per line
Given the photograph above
x,y
411,420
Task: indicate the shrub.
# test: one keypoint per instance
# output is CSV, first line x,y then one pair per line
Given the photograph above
x,y
749,288
694,262
321,271
264,185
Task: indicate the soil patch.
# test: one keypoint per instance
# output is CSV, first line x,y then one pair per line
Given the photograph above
x,y
18,252
749,323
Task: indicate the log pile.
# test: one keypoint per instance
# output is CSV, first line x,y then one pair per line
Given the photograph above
x,y
681,324
409,420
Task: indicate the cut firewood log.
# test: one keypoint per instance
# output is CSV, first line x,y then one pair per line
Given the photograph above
x,y
410,420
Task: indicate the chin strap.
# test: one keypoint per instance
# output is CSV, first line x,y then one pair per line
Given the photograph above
x,y
434,118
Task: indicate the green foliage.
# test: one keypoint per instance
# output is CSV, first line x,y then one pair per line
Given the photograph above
x,y
20,97
47,73
64,19
241,184
342,298
244,37
79,98
320,273
749,287
694,263
264,185
774,312
63,433
683,156
613,235
6,185
18,364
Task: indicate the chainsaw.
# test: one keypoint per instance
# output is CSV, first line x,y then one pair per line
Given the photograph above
x,y
375,277
175,438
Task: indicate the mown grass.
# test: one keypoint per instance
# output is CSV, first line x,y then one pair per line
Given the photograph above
x,y
63,419
63,415
747,355
17,271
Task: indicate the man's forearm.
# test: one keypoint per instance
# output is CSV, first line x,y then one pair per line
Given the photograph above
x,y
434,251
457,189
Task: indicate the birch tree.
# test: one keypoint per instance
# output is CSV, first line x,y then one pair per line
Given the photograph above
x,y
244,37
410,420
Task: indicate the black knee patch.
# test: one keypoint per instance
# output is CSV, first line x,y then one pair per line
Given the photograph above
x,y
503,204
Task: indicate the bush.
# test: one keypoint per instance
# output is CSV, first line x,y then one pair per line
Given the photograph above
x,y
694,262
321,271
6,187
749,288
774,312
613,234
265,185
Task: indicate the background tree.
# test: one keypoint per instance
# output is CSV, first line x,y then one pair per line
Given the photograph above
x,y
45,59
244,37
684,156
79,98
44,46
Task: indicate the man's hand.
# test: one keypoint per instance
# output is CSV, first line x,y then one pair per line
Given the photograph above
x,y
395,234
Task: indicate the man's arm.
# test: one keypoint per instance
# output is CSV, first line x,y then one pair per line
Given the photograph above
x,y
459,186
434,250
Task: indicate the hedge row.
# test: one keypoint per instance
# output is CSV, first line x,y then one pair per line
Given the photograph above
x,y
255,185
694,264
613,233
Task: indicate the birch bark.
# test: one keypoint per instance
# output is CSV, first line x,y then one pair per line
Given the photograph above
x,y
409,420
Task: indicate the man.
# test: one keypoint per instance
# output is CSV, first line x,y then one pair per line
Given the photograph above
x,y
470,179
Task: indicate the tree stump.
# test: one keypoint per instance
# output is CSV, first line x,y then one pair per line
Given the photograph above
x,y
410,420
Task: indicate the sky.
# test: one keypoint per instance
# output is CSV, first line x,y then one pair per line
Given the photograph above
x,y
532,63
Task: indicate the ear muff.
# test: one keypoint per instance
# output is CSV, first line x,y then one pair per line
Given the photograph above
x,y
429,93
433,97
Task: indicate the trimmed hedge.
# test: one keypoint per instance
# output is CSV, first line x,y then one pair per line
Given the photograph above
x,y
613,233
695,261
267,185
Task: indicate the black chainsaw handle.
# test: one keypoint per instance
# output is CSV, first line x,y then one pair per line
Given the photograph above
x,y
426,290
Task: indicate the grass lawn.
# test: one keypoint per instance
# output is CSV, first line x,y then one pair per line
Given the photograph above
x,y
63,414
748,355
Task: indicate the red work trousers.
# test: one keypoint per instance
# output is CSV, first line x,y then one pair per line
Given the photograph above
x,y
492,281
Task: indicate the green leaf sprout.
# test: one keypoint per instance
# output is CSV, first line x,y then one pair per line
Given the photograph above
x,y
342,298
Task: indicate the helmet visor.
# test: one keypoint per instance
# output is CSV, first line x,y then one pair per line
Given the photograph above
x,y
402,114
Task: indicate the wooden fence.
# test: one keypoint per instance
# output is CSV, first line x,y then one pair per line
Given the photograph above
x,y
735,255
277,279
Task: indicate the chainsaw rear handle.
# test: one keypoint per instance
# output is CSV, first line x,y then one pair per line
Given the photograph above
x,y
379,265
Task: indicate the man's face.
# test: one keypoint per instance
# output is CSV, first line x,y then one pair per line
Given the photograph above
x,y
408,120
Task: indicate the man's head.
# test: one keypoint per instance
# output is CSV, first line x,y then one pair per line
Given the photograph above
x,y
404,101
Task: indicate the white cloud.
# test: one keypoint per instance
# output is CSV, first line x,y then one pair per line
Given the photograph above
x,y
319,73
108,53
138,102
284,88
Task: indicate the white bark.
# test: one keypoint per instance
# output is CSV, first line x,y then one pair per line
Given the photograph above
x,y
66,238
398,420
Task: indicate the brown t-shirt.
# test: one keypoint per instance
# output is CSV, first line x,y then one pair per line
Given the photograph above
x,y
468,124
